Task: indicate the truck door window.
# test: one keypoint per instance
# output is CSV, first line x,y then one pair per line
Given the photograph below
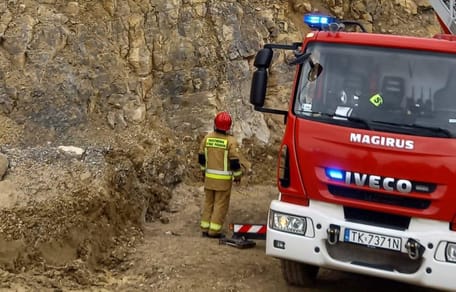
x,y
383,86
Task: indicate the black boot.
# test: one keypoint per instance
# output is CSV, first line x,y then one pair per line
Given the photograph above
x,y
204,234
217,235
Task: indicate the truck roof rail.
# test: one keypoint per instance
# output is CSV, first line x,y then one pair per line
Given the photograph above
x,y
292,47
444,36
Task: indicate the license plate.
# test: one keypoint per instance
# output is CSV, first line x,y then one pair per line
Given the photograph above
x,y
372,239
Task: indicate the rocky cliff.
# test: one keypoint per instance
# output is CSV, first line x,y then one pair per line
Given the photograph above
x,y
73,67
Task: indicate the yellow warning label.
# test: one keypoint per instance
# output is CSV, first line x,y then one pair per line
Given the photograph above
x,y
376,100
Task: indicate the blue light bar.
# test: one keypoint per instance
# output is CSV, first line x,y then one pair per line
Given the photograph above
x,y
318,21
315,19
335,174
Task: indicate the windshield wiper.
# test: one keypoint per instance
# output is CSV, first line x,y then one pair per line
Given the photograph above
x,y
434,129
440,131
343,117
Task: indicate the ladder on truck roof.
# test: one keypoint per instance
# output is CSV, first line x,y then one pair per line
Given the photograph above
x,y
446,13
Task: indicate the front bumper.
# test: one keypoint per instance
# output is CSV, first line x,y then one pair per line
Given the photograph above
x,y
429,269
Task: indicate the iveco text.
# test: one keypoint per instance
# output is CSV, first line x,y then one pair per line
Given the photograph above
x,y
382,141
378,182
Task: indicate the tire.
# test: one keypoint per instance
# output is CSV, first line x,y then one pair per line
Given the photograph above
x,y
299,274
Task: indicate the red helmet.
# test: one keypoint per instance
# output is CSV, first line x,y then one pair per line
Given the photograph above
x,y
222,121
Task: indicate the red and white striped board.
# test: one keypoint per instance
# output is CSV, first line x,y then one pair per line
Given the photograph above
x,y
249,231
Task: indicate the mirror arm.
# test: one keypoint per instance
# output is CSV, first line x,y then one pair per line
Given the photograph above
x,y
300,59
293,46
273,111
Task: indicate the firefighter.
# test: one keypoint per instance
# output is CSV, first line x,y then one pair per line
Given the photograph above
x,y
220,165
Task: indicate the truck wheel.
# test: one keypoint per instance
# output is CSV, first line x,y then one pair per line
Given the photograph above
x,y
299,274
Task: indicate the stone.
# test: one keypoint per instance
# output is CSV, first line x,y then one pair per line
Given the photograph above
x,y
85,176
72,8
134,111
410,6
71,151
4,164
10,195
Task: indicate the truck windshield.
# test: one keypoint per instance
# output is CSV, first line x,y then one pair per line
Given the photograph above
x,y
384,89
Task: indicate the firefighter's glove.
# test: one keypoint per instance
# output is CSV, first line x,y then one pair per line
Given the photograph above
x,y
237,179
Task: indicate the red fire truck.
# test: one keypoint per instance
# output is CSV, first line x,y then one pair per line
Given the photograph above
x,y
367,165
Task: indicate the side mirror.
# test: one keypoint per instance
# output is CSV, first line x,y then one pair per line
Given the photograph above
x,y
263,58
258,89
260,77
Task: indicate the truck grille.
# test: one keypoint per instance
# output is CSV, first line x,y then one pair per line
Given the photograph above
x,y
376,197
381,219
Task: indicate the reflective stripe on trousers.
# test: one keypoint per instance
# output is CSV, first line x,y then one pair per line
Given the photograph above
x,y
215,227
205,225
211,226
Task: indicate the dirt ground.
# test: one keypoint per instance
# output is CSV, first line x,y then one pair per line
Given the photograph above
x,y
175,258
172,256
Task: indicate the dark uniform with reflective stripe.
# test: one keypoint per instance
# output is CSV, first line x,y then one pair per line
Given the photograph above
x,y
219,159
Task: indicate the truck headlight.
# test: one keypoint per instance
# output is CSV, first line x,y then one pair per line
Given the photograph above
x,y
288,223
450,252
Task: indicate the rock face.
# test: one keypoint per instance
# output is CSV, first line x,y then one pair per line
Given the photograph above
x,y
122,61
66,64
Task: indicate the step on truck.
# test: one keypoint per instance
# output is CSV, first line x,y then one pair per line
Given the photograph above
x,y
366,171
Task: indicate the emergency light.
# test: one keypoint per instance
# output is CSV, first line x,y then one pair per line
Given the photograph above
x,y
335,174
318,21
